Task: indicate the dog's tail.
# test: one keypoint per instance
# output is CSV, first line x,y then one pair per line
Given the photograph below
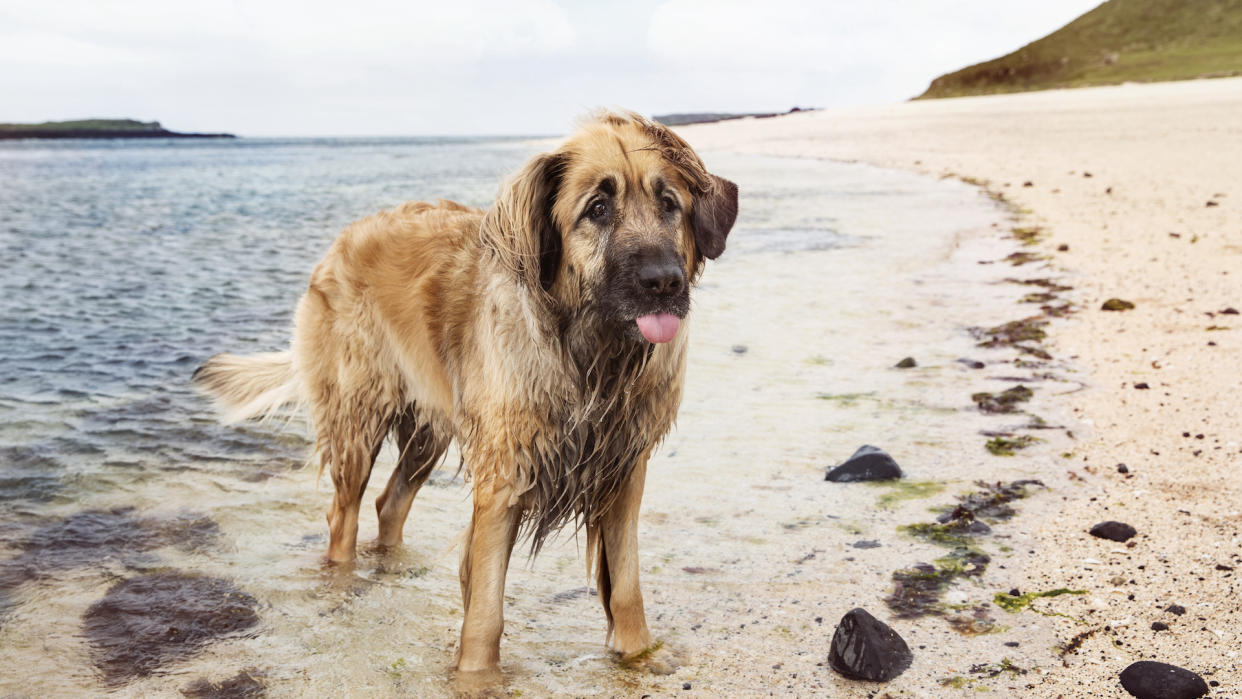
x,y
257,386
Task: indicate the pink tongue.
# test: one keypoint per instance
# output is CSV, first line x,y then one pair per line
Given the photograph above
x,y
658,327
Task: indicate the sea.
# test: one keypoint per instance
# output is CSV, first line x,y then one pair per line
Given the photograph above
x,y
147,550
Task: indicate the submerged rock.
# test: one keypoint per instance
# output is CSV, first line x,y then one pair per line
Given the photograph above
x,y
147,622
1148,679
1113,531
867,464
865,648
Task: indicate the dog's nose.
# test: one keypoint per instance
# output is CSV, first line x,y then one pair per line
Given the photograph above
x,y
660,277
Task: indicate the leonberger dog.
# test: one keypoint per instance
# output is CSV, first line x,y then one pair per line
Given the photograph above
x,y
546,335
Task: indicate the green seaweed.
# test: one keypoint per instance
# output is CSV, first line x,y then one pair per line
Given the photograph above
x,y
940,534
1004,402
1007,446
1027,235
1017,259
846,400
1015,331
900,490
1016,603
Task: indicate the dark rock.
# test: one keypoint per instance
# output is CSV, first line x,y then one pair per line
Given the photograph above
x,y
866,544
1159,626
1115,304
246,684
1148,679
1175,609
1231,311
739,349
907,363
1062,248
865,648
146,622
1142,386
867,464
87,538
1012,644
1113,531
685,685
1122,468
972,363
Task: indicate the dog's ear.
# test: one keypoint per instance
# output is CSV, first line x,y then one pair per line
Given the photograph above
x,y
715,210
520,228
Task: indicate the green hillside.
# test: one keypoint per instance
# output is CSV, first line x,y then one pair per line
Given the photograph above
x,y
1119,41
97,128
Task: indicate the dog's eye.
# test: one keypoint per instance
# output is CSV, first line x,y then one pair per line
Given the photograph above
x,y
598,211
668,204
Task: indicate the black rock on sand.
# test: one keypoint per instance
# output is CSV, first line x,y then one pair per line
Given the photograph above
x,y
1148,679
865,648
867,464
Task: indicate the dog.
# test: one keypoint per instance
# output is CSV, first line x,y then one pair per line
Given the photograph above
x,y
546,335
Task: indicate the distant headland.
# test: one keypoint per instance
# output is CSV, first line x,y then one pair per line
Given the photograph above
x,y
709,117
98,128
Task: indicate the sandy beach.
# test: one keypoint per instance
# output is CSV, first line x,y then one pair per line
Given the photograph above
x,y
1134,191
978,236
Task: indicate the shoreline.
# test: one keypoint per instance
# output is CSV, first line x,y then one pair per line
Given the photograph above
x,y
1134,180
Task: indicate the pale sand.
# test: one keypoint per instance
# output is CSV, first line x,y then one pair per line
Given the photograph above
x,y
1138,228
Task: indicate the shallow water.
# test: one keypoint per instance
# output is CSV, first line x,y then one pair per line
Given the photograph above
x,y
127,264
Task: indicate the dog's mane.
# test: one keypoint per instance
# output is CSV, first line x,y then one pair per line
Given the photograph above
x,y
573,473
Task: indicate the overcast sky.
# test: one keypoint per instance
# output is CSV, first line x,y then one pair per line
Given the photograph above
x,y
362,67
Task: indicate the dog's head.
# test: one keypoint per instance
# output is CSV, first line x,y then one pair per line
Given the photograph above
x,y
619,220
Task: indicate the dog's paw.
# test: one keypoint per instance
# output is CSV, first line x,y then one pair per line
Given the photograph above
x,y
658,659
479,684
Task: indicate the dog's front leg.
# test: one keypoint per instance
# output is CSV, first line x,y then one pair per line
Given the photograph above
x,y
484,564
618,568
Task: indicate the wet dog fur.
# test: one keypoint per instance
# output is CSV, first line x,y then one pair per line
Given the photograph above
x,y
513,331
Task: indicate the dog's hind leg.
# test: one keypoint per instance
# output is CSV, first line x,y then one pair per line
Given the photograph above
x,y
351,469
420,449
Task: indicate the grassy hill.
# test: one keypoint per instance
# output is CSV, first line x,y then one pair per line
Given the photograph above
x,y
97,128
1119,41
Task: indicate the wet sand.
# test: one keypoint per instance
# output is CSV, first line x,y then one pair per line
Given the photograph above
x,y
1141,184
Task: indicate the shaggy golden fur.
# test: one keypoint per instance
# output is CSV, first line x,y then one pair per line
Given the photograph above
x,y
513,331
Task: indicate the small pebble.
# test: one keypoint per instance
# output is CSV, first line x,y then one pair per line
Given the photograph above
x,y
1012,644
1063,248
1159,626
1113,531
685,685
1175,609
1122,468
739,349
1116,304
907,363
1142,386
